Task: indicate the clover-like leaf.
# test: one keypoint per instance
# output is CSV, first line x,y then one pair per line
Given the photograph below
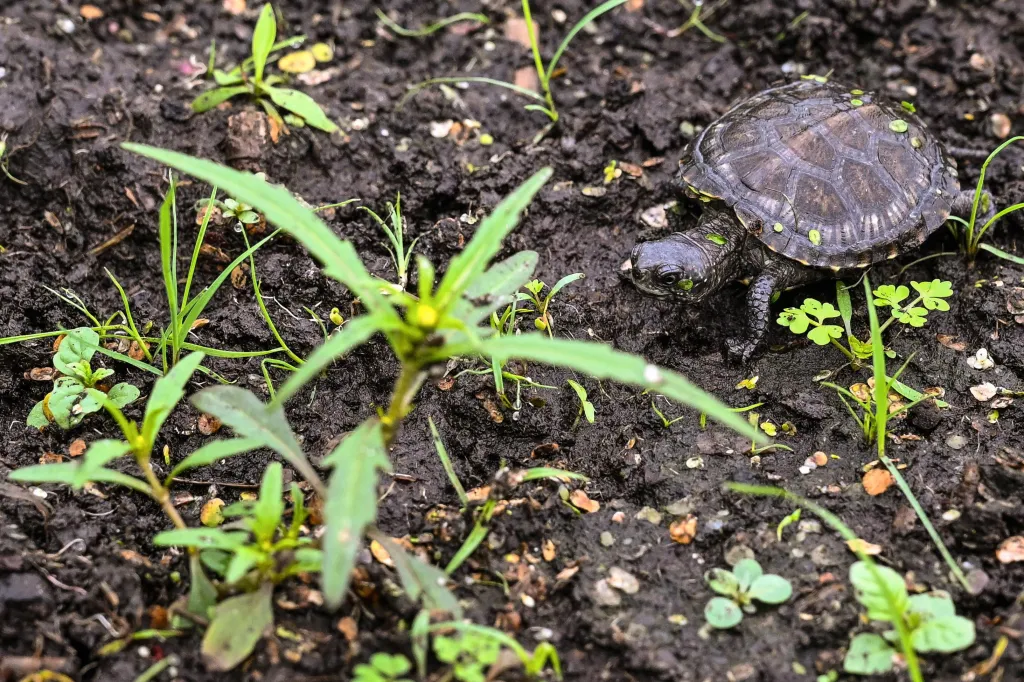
x,y
771,589
915,317
821,311
945,635
722,613
868,654
933,292
391,665
795,319
747,570
824,334
723,582
889,295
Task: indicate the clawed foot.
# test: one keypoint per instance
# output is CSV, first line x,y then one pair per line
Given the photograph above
x,y
740,351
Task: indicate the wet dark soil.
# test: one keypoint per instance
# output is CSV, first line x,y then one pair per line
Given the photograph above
x,y
78,570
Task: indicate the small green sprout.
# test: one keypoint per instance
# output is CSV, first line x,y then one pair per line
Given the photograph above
x,y
611,172
264,89
77,388
383,668
394,228
812,315
469,655
243,213
792,518
429,29
740,588
930,619
695,20
586,407
931,294
3,163
535,287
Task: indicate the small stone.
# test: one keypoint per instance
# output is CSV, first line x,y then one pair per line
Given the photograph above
x,y
956,442
687,129
605,595
559,16
623,580
440,129
607,539
66,25
951,515
618,517
738,553
984,392
656,217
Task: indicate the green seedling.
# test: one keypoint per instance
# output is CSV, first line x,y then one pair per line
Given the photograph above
x,y
696,20
446,462
429,29
444,320
769,428
929,620
545,99
261,87
231,209
586,407
383,668
78,389
506,326
968,232
471,637
394,228
252,553
813,317
544,321
740,588
3,163
469,655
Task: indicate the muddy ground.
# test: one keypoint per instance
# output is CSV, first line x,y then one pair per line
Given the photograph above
x,y
78,570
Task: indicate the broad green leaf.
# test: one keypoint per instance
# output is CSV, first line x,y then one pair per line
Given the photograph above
x,y
238,625
795,319
214,452
123,394
305,106
244,559
99,454
889,295
202,595
825,333
821,311
79,344
884,597
350,504
37,417
269,507
62,472
211,98
723,582
601,361
933,293
771,589
263,40
746,572
392,665
201,538
868,654
581,393
945,635
421,580
282,209
486,242
932,605
354,333
495,287
722,613
167,393
250,418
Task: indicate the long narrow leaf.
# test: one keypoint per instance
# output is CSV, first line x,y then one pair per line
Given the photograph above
x,y
603,362
350,505
579,26
420,579
167,393
1002,254
211,98
495,287
486,242
263,40
339,257
214,452
250,418
355,333
168,258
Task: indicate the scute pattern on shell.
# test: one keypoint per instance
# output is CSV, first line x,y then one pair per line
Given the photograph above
x,y
804,156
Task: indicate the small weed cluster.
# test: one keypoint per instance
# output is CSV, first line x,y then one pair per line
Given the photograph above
x,y
740,588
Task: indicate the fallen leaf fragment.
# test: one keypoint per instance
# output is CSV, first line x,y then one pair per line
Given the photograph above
x,y
548,550
581,501
90,12
348,628
877,481
863,546
951,342
302,61
683,530
380,554
77,448
984,392
1011,550
212,515
208,425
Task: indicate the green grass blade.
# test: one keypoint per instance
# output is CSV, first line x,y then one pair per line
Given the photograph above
x,y
603,362
263,40
339,257
197,249
430,28
525,92
590,16
446,462
168,258
486,242
211,98
350,505
1002,254
166,394
303,105
496,286
354,333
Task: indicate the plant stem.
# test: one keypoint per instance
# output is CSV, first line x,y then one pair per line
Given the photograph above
x,y
159,492
410,379
841,347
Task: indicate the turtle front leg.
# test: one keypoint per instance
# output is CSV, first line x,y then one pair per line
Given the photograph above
x,y
759,300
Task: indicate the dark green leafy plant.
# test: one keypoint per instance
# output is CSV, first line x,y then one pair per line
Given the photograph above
x,y
441,322
740,588
546,101
261,87
969,232
394,228
544,321
77,386
930,620
469,654
383,668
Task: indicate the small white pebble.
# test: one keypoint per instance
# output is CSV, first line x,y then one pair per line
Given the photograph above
x,y
652,374
158,88
39,492
143,651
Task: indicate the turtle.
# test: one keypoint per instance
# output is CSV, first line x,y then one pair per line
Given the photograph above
x,y
800,182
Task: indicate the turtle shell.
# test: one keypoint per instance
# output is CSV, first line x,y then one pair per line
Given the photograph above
x,y
829,176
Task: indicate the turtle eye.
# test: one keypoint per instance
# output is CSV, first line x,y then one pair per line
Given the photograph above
x,y
669,278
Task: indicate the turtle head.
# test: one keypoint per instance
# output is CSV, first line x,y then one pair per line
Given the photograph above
x,y
675,267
